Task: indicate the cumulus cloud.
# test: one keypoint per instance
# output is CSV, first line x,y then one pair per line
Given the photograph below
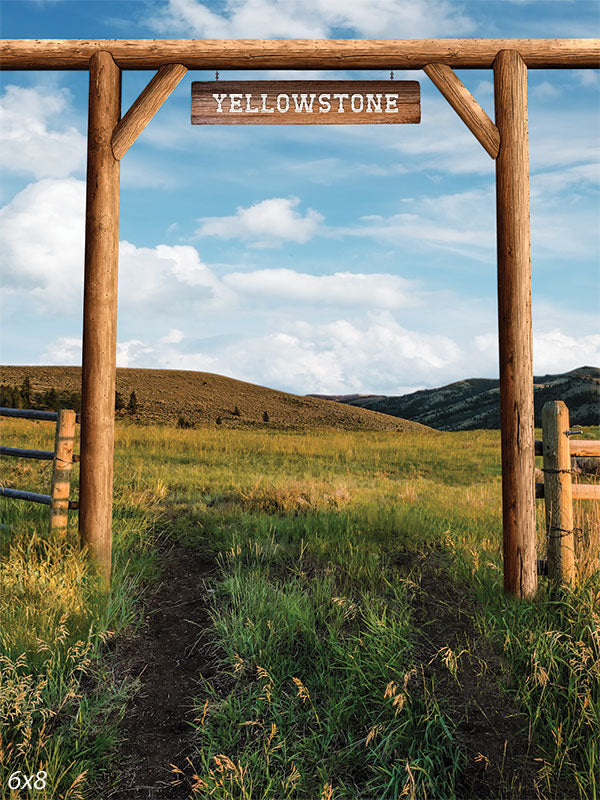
x,y
42,239
375,353
264,224
64,351
42,242
553,350
306,19
340,289
34,136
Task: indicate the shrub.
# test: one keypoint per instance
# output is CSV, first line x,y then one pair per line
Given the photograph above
x,y
132,405
184,422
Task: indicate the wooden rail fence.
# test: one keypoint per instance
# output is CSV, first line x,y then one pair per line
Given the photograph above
x,y
558,490
62,457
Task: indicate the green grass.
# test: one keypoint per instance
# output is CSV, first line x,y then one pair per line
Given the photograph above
x,y
322,690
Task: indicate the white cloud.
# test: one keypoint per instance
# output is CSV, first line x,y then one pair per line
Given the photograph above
x,y
586,77
34,136
462,223
131,352
545,90
267,223
340,289
305,19
334,357
64,351
553,350
42,241
174,336
165,277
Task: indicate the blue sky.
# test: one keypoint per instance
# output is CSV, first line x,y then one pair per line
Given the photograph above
x,y
310,259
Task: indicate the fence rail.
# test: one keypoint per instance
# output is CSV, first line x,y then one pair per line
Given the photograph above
x,y
31,413
582,448
62,457
42,455
33,497
558,489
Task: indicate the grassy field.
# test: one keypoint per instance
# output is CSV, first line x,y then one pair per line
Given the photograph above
x,y
359,643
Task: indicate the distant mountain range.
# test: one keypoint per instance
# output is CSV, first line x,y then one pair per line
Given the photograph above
x,y
475,402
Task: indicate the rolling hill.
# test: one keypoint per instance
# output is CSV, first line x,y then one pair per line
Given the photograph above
x,y
475,402
202,398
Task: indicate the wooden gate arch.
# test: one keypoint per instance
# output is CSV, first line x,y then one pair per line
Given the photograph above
x,y
505,140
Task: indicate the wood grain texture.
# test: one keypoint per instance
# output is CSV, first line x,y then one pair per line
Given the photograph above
x,y
465,105
514,325
100,314
61,472
586,448
296,53
585,491
305,102
558,494
579,491
145,107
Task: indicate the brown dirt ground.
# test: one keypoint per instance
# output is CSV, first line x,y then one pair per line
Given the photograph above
x,y
155,732
491,729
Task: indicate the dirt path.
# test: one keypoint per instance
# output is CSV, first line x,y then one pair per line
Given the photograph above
x,y
155,727
155,730
491,729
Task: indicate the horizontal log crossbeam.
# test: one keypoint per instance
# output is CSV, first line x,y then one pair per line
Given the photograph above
x,y
465,105
335,54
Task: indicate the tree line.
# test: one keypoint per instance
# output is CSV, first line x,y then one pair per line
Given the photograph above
x,y
23,396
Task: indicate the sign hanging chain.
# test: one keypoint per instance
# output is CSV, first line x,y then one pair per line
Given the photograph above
x,y
216,74
391,74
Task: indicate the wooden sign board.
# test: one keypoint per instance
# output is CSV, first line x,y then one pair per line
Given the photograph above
x,y
305,102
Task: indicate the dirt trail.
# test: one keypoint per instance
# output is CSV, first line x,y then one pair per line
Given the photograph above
x,y
491,729
155,729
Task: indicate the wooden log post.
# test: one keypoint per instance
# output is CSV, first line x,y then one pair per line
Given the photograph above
x,y
100,314
514,324
61,472
558,494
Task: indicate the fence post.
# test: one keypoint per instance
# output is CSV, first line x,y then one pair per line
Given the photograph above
x,y
61,472
558,493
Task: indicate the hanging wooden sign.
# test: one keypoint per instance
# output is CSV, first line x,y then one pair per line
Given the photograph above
x,y
305,102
